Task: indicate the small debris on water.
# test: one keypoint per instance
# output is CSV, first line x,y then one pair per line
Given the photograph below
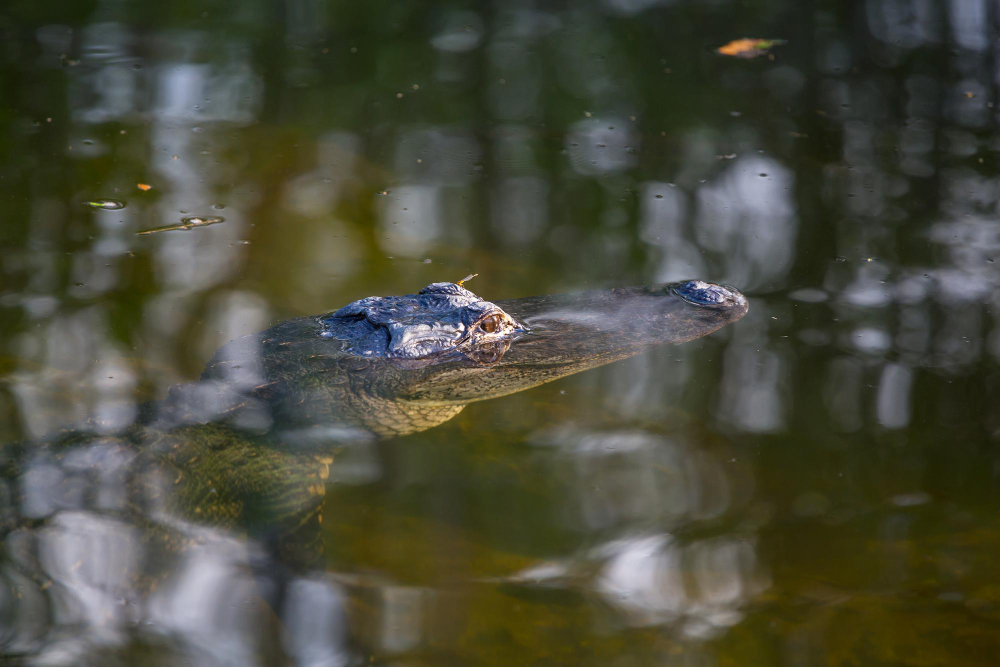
x,y
184,225
748,47
726,156
106,204
144,187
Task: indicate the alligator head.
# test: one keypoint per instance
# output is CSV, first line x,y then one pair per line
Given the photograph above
x,y
568,333
439,320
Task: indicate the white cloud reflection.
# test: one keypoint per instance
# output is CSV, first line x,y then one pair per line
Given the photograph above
x,y
315,623
748,217
410,220
892,403
460,31
754,396
702,586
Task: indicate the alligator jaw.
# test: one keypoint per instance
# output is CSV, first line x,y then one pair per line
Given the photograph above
x,y
569,333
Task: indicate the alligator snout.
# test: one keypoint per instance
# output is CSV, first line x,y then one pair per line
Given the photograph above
x,y
701,293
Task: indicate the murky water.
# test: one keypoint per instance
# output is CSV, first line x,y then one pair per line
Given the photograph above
x,y
818,484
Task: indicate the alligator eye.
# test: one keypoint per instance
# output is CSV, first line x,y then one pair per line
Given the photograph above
x,y
490,324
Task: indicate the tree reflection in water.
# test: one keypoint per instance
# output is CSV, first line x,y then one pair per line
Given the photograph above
x,y
813,485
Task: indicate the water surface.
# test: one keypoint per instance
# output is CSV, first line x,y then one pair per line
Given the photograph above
x,y
815,485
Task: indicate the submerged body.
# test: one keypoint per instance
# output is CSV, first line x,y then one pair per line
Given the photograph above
x,y
250,445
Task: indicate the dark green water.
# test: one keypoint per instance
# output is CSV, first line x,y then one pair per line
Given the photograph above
x,y
818,484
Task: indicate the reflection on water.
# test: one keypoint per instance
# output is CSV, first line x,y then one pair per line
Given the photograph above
x,y
815,485
623,482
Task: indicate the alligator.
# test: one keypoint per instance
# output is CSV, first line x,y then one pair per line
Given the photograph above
x,y
387,366
249,446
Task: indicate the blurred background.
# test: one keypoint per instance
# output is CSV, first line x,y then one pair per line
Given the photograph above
x,y
815,485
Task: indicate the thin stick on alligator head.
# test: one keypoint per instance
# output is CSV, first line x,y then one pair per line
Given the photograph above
x,y
388,366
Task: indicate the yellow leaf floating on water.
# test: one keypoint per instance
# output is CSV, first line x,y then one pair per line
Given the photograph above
x,y
748,47
143,187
